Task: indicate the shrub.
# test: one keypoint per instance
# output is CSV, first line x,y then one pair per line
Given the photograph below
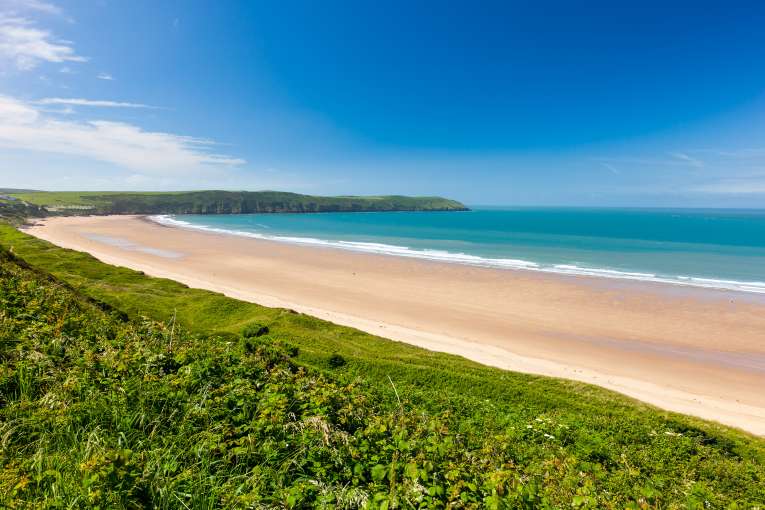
x,y
254,330
336,360
291,350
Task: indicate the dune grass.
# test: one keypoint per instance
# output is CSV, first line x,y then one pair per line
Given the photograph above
x,y
543,442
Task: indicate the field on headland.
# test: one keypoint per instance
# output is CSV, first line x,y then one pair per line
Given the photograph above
x,y
220,202
425,427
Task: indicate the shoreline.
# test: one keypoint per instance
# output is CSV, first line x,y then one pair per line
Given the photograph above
x,y
692,352
756,288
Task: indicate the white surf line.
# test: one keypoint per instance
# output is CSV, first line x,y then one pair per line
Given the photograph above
x,y
474,260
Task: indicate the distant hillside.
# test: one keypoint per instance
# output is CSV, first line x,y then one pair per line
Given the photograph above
x,y
16,211
224,202
17,190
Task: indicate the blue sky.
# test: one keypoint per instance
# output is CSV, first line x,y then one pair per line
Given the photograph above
x,y
498,103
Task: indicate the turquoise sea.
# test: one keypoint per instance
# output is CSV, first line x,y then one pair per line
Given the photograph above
x,y
706,248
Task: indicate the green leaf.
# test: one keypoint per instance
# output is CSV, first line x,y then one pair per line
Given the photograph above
x,y
379,472
411,471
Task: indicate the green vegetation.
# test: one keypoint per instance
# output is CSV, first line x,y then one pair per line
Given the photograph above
x,y
15,211
223,202
119,390
254,330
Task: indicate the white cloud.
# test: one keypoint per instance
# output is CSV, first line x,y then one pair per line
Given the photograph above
x,y
15,112
33,5
22,126
26,45
105,76
697,163
675,159
90,102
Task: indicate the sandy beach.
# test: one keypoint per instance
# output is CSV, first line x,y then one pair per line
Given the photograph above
x,y
695,351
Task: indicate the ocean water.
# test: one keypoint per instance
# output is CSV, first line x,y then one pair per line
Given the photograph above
x,y
706,248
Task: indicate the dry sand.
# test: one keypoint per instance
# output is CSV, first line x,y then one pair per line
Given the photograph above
x,y
695,351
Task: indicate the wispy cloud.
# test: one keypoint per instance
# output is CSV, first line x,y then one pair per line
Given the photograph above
x,y
738,153
611,168
32,5
673,159
22,126
629,161
691,161
105,76
26,45
91,102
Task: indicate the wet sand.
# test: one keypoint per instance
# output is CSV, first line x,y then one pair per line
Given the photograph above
x,y
695,351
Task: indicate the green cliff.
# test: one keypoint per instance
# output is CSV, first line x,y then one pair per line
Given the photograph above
x,y
224,202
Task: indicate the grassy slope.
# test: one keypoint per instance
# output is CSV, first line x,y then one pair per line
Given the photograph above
x,y
64,198
228,202
618,449
99,412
